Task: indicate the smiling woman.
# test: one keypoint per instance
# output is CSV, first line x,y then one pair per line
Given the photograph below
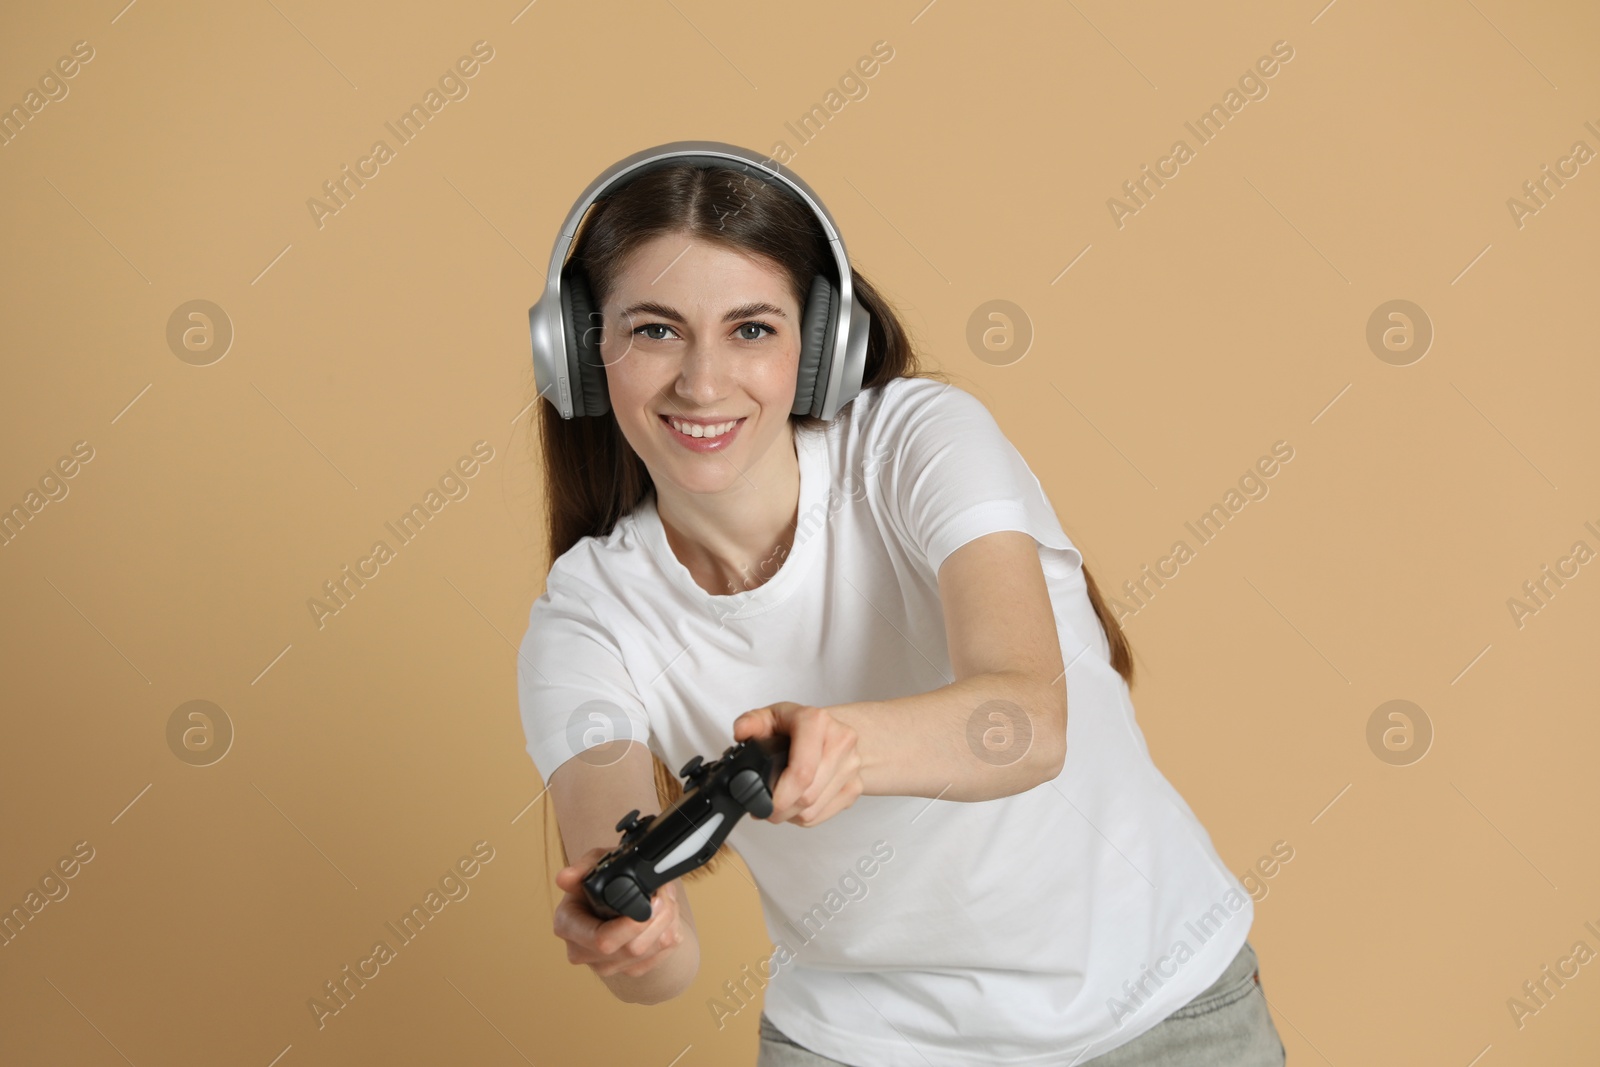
x,y
706,433
703,392
948,676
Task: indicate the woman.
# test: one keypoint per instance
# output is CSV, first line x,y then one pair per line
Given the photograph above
x,y
971,857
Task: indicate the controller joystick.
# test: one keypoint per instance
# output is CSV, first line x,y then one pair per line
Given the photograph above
x,y
656,849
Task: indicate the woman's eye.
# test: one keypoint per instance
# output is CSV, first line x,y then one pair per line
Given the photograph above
x,y
750,331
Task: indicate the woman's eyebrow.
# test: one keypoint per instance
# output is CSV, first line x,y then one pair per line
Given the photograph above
x,y
743,311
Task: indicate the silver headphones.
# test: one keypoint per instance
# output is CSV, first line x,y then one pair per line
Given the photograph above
x,y
833,329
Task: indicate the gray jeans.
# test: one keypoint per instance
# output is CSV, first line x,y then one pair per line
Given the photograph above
x,y
1226,1025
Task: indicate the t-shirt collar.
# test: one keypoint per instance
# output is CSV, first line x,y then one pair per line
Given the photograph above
x,y
811,451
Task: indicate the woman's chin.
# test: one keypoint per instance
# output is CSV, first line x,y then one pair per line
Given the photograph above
x,y
703,476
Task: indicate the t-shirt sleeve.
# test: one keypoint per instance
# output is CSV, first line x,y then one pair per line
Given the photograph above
x,y
574,690
953,476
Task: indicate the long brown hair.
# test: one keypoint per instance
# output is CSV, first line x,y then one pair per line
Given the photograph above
x,y
592,475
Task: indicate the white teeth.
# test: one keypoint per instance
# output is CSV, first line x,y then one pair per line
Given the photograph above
x,y
696,430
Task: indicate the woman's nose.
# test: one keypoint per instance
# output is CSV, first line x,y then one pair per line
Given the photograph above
x,y
702,372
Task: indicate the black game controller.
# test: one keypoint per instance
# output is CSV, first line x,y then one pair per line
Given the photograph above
x,y
658,848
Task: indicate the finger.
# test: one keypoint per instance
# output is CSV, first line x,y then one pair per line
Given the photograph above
x,y
808,815
842,798
663,918
646,966
792,779
781,794
839,765
607,953
622,961
647,961
805,756
631,967
757,723
570,877
811,814
826,781
615,934
574,923
622,933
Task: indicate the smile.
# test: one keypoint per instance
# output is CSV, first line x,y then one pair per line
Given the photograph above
x,y
701,431
702,437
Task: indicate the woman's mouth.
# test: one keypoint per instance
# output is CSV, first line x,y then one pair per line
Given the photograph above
x,y
702,437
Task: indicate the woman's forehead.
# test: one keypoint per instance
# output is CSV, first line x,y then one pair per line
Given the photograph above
x,y
699,275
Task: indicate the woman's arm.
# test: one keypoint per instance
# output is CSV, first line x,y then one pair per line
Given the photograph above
x,y
999,728
588,794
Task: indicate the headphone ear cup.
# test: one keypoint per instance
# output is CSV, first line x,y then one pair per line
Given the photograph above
x,y
816,333
583,330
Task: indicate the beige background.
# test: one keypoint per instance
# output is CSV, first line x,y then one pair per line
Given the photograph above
x,y
370,353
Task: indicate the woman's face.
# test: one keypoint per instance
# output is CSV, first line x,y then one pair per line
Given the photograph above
x,y
700,334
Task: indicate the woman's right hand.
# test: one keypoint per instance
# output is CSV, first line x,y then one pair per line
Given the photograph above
x,y
621,945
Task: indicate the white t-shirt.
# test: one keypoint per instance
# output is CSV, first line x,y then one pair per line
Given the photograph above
x,y
907,931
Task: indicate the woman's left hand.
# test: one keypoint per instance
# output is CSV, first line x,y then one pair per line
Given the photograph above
x,y
823,775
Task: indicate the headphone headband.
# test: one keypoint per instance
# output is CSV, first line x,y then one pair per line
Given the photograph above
x,y
554,368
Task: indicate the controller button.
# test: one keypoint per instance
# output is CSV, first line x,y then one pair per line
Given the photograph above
x,y
750,790
625,896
